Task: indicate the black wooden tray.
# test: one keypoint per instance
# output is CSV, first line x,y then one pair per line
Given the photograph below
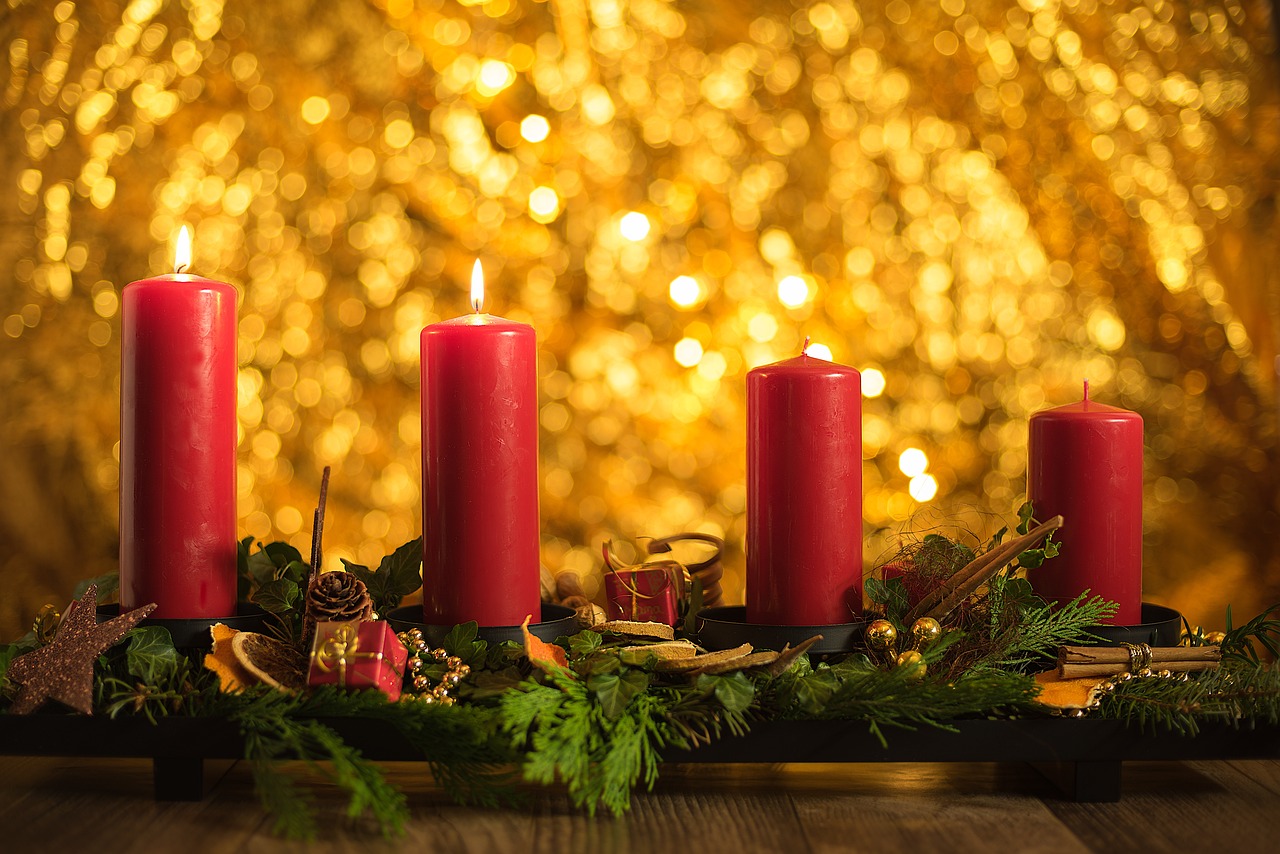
x,y
1083,757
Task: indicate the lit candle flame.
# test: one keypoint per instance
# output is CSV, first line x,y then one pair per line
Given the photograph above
x,y
182,251
477,287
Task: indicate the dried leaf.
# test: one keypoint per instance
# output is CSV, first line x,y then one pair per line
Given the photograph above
x,y
544,655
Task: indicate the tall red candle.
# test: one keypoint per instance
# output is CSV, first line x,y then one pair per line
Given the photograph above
x,y
1085,464
479,470
804,493
178,445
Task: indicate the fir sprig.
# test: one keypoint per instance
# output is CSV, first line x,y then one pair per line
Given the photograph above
x,y
856,689
273,730
1241,643
1237,692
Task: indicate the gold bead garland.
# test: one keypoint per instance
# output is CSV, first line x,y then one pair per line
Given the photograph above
x,y
419,654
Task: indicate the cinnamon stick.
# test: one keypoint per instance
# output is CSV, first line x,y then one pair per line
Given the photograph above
x,y
974,574
1075,662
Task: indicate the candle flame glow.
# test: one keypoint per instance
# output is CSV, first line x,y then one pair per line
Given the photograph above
x,y
477,287
182,251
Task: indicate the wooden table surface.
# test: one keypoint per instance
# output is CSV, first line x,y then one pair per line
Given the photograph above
x,y
52,804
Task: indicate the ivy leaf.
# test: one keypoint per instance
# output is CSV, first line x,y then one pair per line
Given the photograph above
x,y
813,691
503,654
281,554
396,577
463,642
259,567
614,691
605,662
461,639
1025,513
1035,558
735,692
107,586
150,653
890,595
295,571
278,596
584,643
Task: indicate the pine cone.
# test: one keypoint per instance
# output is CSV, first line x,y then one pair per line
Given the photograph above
x,y
338,597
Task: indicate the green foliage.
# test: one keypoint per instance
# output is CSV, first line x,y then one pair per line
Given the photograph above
x,y
273,577
1242,643
272,730
568,735
108,586
151,653
145,675
1031,558
398,575
891,597
1022,628
855,689
1239,692
942,555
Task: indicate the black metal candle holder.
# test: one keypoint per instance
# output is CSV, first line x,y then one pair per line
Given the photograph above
x,y
194,633
726,627
1160,626
556,620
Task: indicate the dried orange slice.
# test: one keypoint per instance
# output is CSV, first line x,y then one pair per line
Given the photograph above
x,y
269,660
232,676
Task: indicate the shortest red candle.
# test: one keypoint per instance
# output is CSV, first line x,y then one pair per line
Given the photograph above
x,y
178,444
1085,464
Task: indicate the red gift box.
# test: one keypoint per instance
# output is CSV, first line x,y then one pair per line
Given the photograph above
x,y
644,594
358,655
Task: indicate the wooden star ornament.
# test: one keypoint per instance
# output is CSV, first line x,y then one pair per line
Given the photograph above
x,y
63,670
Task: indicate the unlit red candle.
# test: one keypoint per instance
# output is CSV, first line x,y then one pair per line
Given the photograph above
x,y
1085,464
804,493
479,470
178,445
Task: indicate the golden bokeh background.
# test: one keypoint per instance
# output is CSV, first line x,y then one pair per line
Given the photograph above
x,y
979,203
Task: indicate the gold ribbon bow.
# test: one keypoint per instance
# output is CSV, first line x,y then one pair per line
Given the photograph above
x,y
339,648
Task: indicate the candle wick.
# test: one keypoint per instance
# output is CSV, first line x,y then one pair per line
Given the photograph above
x,y
1086,390
804,349
179,269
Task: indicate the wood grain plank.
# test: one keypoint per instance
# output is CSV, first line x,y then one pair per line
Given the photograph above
x,y
49,803
957,807
1175,807
1263,772
685,812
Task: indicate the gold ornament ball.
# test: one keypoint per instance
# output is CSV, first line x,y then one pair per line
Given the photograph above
x,y
926,630
881,635
1215,638
913,663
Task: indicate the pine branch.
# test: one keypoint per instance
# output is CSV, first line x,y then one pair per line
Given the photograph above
x,y
1236,692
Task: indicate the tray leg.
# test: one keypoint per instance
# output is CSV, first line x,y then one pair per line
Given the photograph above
x,y
1084,782
178,778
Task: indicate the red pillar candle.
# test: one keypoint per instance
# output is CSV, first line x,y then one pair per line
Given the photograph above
x,y
804,493
479,469
1085,464
178,444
